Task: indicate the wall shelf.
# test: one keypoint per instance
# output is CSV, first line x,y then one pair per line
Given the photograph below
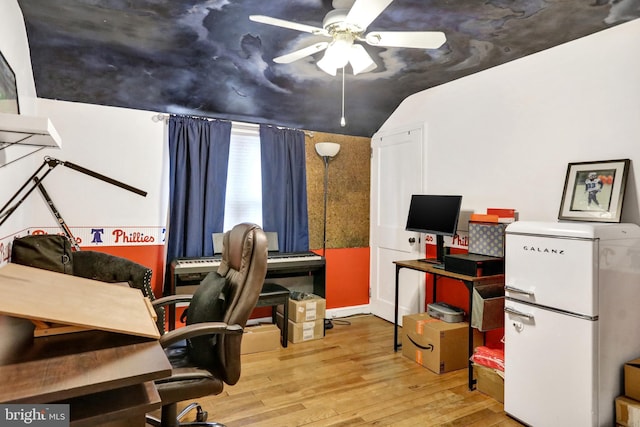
x,y
21,130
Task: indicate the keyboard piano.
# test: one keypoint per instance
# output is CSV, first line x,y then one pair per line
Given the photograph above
x,y
190,271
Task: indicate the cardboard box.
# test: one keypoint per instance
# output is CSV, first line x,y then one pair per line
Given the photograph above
x,y
632,379
487,312
259,338
489,381
627,412
303,331
439,346
306,310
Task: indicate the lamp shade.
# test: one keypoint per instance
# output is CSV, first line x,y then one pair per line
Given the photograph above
x,y
327,149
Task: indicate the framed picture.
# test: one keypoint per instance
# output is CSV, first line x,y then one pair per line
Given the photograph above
x,y
594,191
8,88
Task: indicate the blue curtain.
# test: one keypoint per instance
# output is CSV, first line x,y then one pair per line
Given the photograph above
x,y
198,164
284,187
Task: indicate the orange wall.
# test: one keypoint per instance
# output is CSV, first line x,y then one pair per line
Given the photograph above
x,y
347,282
454,292
347,275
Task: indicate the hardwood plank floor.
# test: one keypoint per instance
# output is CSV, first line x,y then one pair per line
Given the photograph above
x,y
352,377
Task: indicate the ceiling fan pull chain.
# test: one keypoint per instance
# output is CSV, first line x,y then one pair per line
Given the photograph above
x,y
343,121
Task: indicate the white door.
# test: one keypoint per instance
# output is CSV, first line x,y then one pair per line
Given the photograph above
x,y
396,174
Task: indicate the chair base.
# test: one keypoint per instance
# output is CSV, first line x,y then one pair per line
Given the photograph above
x,y
170,419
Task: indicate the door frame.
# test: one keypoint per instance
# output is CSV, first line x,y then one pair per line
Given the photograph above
x,y
411,281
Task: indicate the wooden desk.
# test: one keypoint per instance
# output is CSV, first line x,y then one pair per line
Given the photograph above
x,y
105,371
103,376
469,282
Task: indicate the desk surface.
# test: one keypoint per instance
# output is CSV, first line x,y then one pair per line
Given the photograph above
x,y
427,267
42,295
62,367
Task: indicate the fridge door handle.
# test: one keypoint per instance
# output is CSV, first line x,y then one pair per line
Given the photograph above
x,y
518,313
518,291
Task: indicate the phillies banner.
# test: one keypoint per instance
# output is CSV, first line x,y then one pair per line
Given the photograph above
x,y
111,236
95,236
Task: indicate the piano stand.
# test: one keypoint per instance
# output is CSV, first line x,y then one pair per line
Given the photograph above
x,y
187,273
273,295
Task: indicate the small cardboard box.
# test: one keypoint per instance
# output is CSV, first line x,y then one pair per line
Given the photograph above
x,y
259,338
306,310
632,379
489,381
439,346
488,306
303,331
627,412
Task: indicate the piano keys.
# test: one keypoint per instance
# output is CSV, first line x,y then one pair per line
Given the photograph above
x,y
188,272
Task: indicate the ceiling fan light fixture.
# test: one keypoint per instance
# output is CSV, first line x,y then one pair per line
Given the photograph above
x,y
327,66
360,60
337,54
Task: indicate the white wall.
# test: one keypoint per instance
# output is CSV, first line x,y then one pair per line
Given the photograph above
x,y
15,49
125,145
503,137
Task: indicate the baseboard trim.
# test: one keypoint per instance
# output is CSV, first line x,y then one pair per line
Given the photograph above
x,y
335,313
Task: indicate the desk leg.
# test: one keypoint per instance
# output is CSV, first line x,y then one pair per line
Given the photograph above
x,y
396,346
471,382
434,281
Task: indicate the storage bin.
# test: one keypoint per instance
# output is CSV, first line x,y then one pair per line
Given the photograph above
x,y
486,238
488,306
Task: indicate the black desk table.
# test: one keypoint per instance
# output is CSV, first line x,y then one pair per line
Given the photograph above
x,y
469,282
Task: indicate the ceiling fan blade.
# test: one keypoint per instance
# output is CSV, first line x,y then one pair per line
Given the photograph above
x,y
415,39
288,24
363,12
360,60
299,54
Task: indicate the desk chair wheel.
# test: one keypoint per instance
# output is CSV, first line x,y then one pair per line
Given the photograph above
x,y
201,415
201,418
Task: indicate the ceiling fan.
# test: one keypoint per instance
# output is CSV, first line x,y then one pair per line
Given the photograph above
x,y
345,25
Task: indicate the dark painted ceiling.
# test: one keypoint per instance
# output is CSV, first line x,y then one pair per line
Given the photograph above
x,y
206,58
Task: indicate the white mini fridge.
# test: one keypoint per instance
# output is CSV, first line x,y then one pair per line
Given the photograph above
x,y
572,319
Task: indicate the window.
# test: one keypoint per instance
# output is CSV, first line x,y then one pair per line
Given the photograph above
x,y
244,181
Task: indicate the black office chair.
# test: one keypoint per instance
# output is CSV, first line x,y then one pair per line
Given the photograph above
x,y
272,294
205,354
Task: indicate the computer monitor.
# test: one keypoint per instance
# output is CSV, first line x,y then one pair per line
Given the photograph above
x,y
434,214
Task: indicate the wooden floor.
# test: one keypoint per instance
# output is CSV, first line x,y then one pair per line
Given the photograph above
x,y
352,377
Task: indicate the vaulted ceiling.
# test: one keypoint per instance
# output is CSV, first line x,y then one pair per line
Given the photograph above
x,y
206,58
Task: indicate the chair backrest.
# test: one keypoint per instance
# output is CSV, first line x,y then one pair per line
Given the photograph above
x,y
218,242
244,266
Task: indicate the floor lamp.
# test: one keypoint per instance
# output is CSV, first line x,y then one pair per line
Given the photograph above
x,y
326,150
